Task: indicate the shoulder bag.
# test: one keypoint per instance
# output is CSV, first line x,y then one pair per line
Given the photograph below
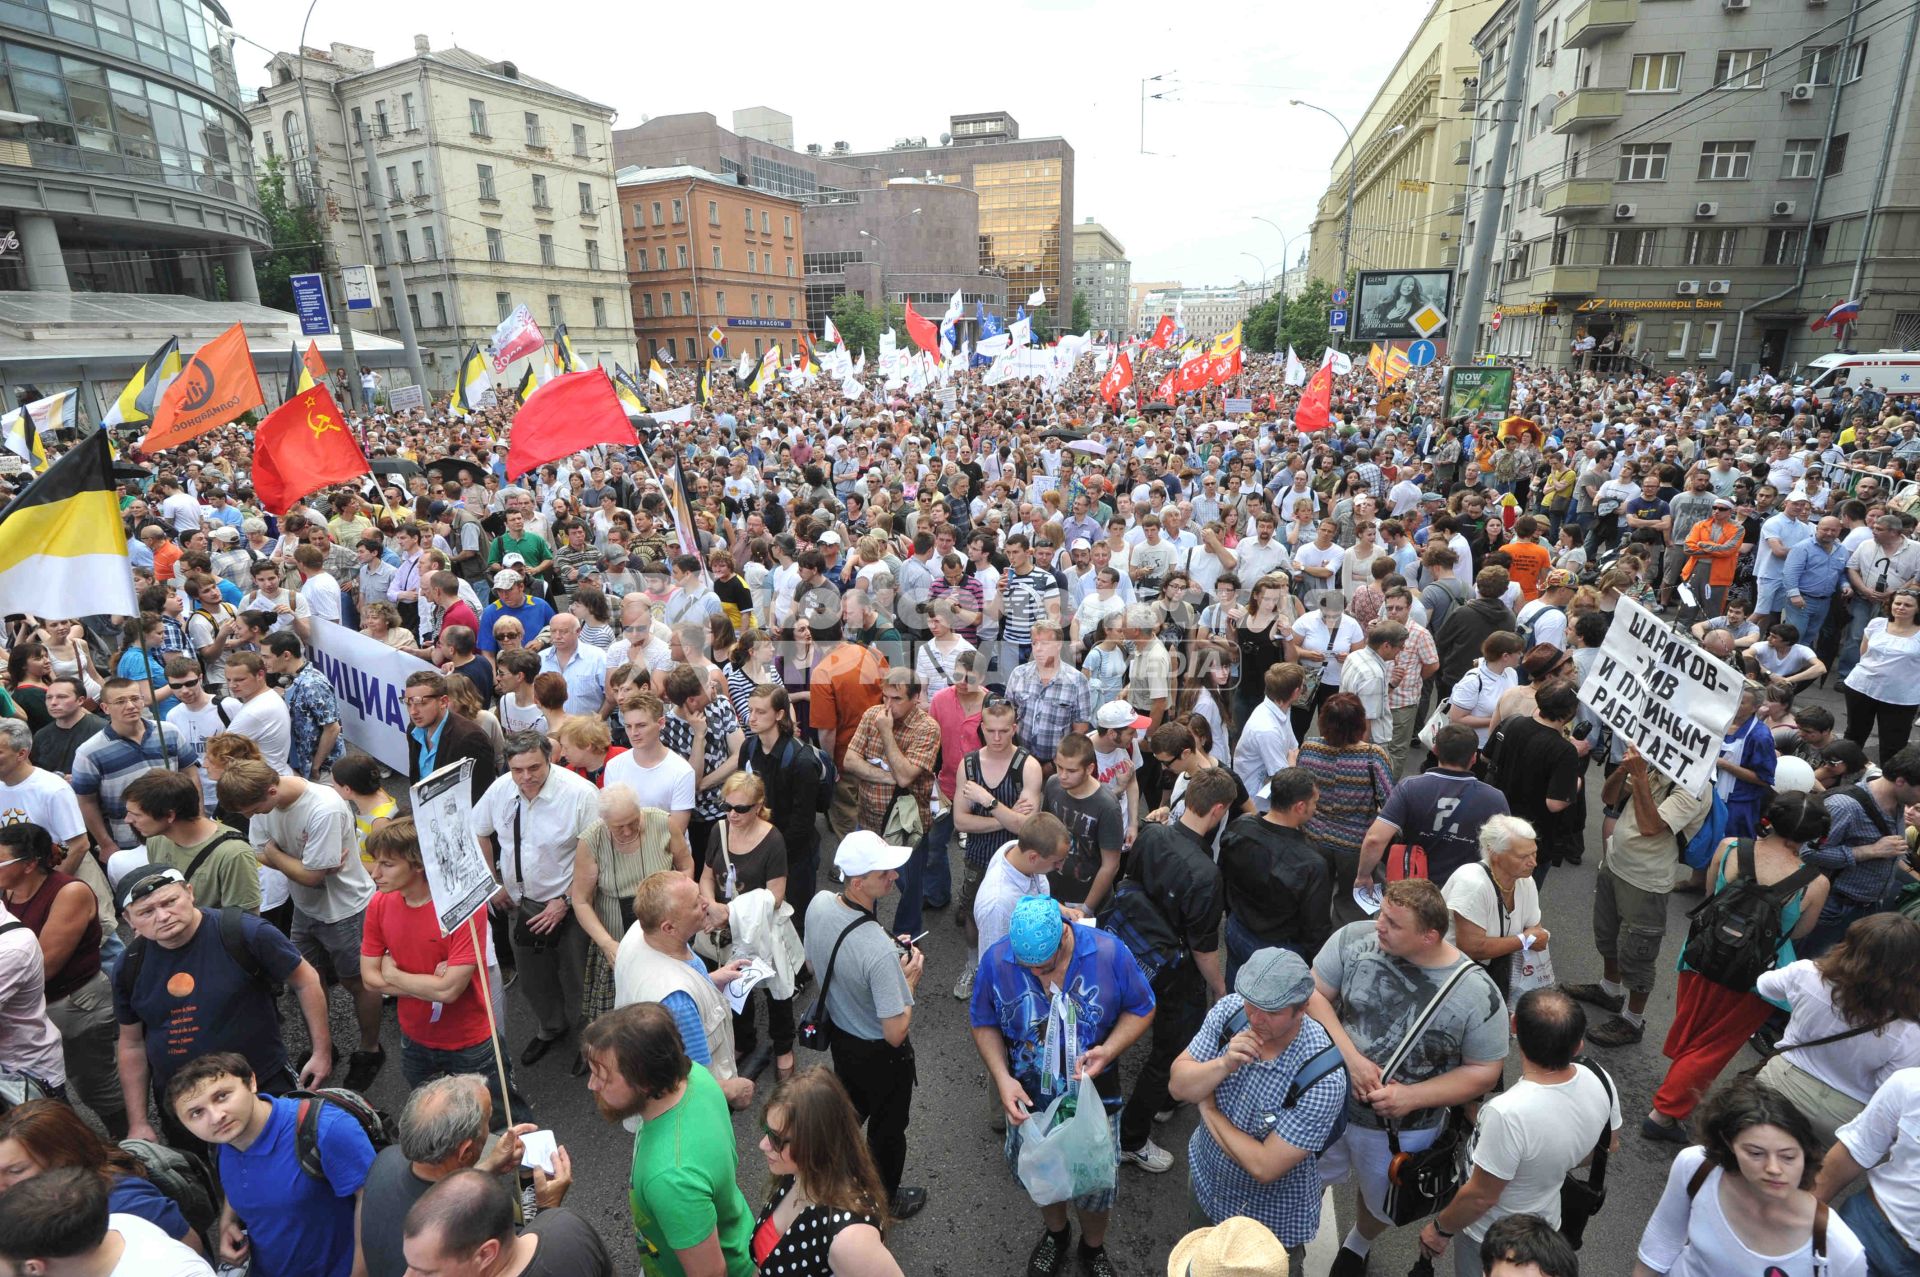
x,y
815,1031
1581,1200
1421,1184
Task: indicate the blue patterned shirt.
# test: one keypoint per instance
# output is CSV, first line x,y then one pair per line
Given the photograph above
x,y
1048,710
311,705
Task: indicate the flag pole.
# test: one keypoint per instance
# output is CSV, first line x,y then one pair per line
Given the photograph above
x,y
493,1025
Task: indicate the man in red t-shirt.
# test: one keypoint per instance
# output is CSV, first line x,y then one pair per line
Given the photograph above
x,y
443,1013
442,589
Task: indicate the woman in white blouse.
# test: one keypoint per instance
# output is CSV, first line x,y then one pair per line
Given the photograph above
x,y
1738,1202
1322,638
1883,690
1473,698
1356,568
1495,905
935,662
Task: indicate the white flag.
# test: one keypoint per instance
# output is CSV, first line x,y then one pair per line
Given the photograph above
x,y
1038,297
1342,366
953,309
1296,374
1022,332
832,337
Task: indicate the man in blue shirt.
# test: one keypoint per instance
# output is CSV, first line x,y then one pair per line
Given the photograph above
x,y
1053,1002
511,599
1815,571
280,1216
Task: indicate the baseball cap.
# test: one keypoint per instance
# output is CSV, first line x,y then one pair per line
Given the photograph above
x,y
1033,932
225,533
143,882
1274,979
1723,503
514,561
1117,714
865,852
1557,579
828,537
506,579
1081,543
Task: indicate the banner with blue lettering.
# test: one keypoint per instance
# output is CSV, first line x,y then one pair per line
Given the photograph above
x,y
368,678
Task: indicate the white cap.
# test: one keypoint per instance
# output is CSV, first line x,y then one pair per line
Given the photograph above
x,y
505,579
1118,714
865,852
514,561
828,537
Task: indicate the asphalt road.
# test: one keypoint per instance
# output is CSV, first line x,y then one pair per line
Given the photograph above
x,y
979,1222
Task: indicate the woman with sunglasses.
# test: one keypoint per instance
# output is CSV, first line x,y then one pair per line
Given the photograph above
x,y
1883,689
744,853
828,1206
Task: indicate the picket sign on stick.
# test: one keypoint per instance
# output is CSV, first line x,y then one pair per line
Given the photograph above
x,y
1664,693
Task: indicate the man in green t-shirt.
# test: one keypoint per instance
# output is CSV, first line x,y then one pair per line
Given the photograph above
x,y
165,808
530,546
688,1211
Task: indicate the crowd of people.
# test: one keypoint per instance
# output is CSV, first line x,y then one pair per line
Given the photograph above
x,y
1238,754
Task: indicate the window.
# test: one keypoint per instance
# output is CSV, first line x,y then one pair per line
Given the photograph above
x,y
766,222
380,118
380,251
586,199
485,172
749,213
1711,247
646,305
1817,242
393,184
535,138
657,219
554,316
789,267
1644,161
477,118
580,150
413,310
439,310
503,303
661,258
1801,155
693,352
719,302
766,263
420,178
753,261
754,298
1726,161
1533,120
1856,63
429,246
716,258
593,254
788,229
792,312
1630,247
1654,73
407,118
546,250
686,302
1836,154
679,212
680,255
1677,346
1709,340
1783,246
366,184
666,303
540,191
713,212
1740,69
769,304
1817,65
496,246
599,312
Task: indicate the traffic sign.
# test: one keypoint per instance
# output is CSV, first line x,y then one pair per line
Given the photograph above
x,y
1421,353
1428,320
1337,321
1339,296
310,303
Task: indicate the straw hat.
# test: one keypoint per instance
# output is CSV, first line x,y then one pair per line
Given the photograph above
x,y
1237,1247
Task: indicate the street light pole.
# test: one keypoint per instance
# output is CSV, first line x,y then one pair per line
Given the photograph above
x,y
1353,174
1263,272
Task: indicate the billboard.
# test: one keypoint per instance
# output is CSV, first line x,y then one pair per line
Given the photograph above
x,y
1484,394
1389,300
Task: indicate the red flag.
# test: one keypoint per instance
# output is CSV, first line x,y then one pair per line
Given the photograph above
x,y
1224,368
218,385
1315,411
925,333
572,412
1118,378
1162,333
302,447
1164,391
314,362
1192,372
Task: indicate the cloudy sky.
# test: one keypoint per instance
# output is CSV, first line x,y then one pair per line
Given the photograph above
x,y
1224,145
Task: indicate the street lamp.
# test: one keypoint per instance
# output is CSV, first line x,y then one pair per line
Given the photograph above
x,y
1263,272
1286,251
1353,174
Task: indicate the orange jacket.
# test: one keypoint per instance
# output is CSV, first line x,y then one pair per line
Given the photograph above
x,y
1709,535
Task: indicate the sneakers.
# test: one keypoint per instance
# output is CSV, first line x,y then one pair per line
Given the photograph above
x,y
1594,995
363,1067
1149,1157
1049,1254
1094,1263
1165,1115
1619,1031
1671,1133
908,1202
963,987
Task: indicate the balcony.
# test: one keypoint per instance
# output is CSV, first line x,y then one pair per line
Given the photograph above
x,y
1566,281
1598,20
1584,195
1585,109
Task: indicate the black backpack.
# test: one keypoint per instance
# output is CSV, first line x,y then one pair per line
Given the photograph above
x,y
1734,935
183,1179
232,939
380,1128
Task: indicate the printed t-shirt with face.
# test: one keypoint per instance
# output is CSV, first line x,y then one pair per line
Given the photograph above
x,y
1093,823
1113,767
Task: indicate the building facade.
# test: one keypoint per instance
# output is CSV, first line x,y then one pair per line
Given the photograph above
x,y
126,160
1411,144
705,253
1137,293
1696,183
1202,312
1103,275
471,187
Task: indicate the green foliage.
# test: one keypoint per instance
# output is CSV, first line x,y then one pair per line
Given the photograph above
x,y
1042,318
1082,316
860,324
296,232
1305,326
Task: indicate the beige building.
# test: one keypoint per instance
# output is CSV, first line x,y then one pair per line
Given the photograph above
x,y
1412,141
498,191
1101,273
1202,312
1137,293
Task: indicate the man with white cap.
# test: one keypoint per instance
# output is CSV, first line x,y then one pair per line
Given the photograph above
x,y
1055,1001
1778,535
867,982
511,599
1272,1091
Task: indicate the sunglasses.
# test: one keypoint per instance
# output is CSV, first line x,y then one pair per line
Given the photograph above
x,y
183,686
742,809
774,1137
995,702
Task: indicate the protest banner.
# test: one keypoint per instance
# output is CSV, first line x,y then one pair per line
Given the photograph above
x,y
367,678
1663,693
457,871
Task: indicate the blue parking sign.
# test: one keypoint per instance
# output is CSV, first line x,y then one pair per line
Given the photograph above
x,y
1337,321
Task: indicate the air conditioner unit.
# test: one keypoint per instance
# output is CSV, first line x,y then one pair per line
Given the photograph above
x,y
1625,211
1688,288
1706,208
1515,237
1546,59
1783,208
1731,5
1717,287
1800,93
1462,152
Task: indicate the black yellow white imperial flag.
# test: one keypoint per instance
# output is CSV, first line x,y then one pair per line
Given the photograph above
x,y
62,549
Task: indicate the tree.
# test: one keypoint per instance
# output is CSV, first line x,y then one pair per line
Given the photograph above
x,y
1082,317
296,232
1042,321
860,325
1305,328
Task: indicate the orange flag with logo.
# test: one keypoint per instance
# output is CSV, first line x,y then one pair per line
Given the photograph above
x,y
315,363
217,385
303,446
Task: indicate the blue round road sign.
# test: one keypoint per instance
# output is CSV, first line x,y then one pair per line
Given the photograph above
x,y
1339,296
1421,353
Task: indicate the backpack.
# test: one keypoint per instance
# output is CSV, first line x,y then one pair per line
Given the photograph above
x,y
380,1128
829,774
1316,1067
472,569
1734,935
1133,919
183,1178
232,938
1697,852
1528,626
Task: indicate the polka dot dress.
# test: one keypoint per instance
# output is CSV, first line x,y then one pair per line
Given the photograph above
x,y
803,1250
